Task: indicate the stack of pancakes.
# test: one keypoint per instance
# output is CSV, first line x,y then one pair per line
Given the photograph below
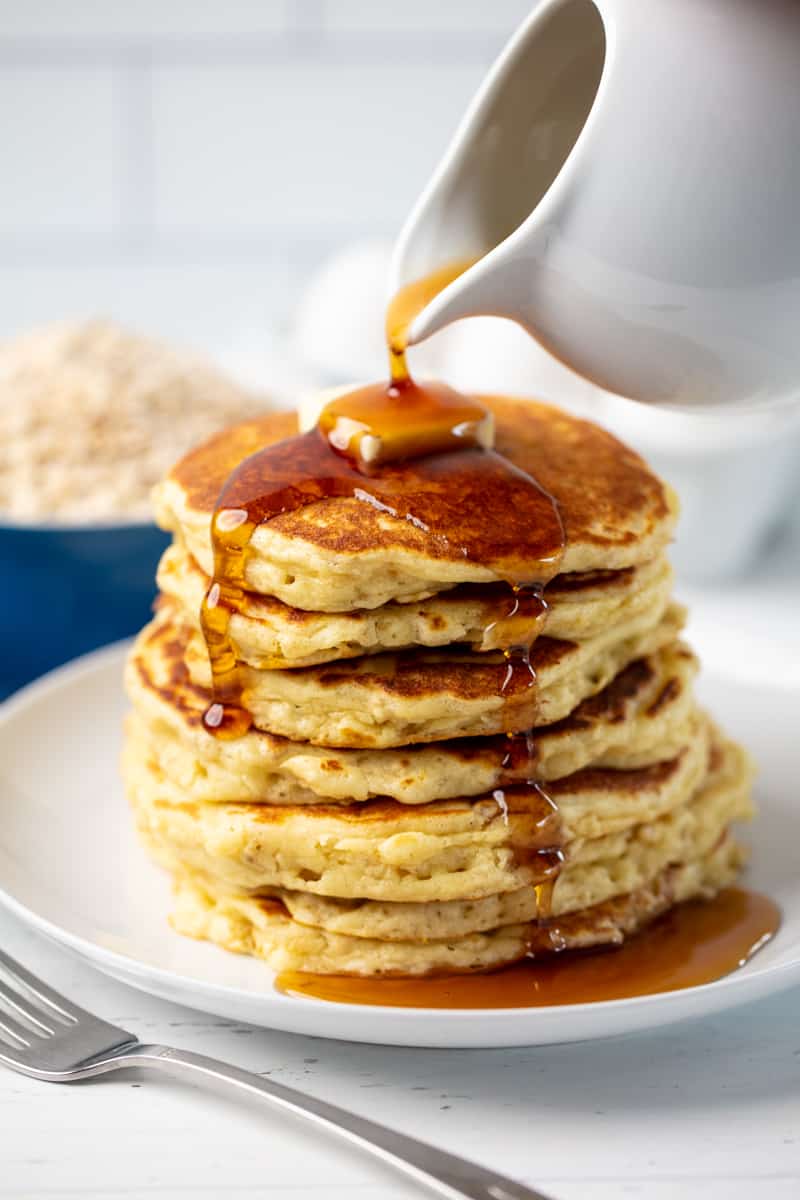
x,y
376,819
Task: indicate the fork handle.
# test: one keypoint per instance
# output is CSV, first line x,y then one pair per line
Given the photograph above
x,y
446,1175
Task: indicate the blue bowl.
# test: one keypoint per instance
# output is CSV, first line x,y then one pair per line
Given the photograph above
x,y
65,590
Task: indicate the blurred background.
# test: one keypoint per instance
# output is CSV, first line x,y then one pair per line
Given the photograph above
x,y
228,175
185,165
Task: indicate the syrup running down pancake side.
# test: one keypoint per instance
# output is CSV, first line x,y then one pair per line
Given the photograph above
x,y
420,453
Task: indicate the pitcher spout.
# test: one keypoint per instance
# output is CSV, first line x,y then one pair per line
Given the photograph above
x,y
489,189
500,284
626,185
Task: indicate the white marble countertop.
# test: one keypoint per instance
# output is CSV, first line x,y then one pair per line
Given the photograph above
x,y
702,1111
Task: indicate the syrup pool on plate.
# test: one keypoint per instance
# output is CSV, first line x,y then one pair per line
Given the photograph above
x,y
694,943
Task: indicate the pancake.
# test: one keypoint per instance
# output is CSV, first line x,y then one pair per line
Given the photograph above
x,y
640,717
270,634
265,928
342,554
614,824
378,817
413,696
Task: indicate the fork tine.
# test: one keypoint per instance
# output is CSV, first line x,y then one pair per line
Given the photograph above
x,y
11,999
13,1030
47,997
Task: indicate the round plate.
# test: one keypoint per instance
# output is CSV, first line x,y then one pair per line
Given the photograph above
x,y
71,867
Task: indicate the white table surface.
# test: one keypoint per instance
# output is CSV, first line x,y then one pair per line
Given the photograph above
x,y
702,1111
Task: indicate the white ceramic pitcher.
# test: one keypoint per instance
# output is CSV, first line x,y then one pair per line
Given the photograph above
x,y
628,178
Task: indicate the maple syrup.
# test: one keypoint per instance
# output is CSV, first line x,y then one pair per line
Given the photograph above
x,y
420,453
405,420
377,424
416,452
407,303
446,495
692,944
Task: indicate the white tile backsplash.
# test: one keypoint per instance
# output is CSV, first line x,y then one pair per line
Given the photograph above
x,y
58,148
207,303
124,18
301,146
151,146
456,16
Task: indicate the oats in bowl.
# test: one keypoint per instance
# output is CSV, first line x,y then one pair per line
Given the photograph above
x,y
91,416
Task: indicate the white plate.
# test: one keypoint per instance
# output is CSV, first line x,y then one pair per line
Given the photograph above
x,y
70,866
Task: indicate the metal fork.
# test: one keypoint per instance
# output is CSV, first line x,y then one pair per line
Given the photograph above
x,y
44,1035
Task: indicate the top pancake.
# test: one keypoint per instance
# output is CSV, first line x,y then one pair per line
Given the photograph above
x,y
340,554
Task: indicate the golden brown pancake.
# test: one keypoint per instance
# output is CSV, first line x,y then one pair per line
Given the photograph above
x,y
340,554
268,929
378,818
612,825
641,717
605,871
430,695
270,634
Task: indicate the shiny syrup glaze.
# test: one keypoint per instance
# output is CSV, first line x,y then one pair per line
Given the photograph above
x,y
445,495
431,472
692,944
405,420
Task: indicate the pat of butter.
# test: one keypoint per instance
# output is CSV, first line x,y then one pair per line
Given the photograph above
x,y
310,407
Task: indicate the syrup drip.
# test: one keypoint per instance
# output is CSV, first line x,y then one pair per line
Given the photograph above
x,y
517,632
416,452
446,495
692,944
433,473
